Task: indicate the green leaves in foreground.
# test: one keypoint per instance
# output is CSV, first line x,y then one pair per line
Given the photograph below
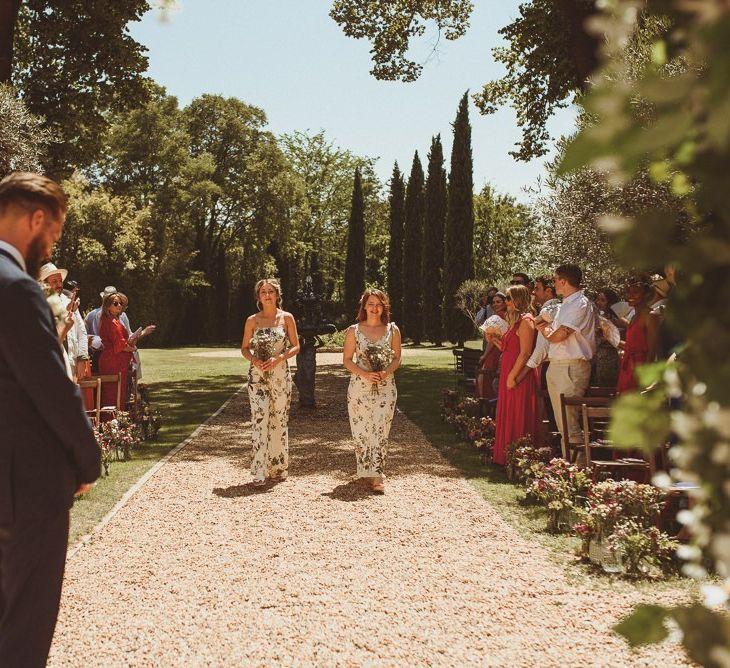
x,y
706,633
640,421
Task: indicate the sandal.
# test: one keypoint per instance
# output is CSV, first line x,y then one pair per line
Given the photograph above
x,y
378,486
280,477
259,482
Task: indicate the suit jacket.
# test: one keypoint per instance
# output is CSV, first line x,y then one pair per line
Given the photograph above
x,y
47,445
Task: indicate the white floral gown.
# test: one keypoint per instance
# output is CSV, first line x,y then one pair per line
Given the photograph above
x,y
371,414
270,397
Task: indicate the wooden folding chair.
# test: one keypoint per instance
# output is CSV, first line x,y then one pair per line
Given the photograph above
x,y
602,414
570,450
116,378
93,384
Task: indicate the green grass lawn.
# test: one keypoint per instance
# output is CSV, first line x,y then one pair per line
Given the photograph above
x,y
186,389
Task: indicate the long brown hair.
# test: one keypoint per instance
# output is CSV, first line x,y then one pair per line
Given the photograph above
x,y
374,292
274,283
114,296
520,297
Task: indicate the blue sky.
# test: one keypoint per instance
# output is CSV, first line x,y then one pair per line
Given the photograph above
x,y
289,58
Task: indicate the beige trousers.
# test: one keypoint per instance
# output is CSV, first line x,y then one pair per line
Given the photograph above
x,y
571,378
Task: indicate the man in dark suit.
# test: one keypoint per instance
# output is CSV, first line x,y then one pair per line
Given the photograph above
x,y
48,452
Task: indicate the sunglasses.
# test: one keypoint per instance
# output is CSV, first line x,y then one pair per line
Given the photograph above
x,y
116,303
517,283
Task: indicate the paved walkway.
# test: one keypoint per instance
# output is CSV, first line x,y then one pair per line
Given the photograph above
x,y
201,569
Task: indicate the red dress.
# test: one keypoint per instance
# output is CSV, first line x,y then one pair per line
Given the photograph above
x,y
113,358
636,351
516,409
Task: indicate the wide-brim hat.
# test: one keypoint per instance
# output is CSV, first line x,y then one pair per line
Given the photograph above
x,y
49,269
108,290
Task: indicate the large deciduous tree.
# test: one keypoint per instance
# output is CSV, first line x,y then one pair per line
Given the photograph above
x,y
23,139
459,234
433,244
413,254
397,213
75,63
355,266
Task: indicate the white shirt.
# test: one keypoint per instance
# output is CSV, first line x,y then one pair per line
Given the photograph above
x,y
580,314
76,339
17,255
540,354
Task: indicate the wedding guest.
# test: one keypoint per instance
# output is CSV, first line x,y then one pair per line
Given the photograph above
x,y
517,402
372,353
606,361
489,361
572,339
77,343
485,311
520,278
118,348
48,453
641,334
269,339
543,292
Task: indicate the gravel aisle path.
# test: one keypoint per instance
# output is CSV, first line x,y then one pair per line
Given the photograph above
x,y
202,569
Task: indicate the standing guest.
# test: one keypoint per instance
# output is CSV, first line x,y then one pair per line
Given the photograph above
x,y
489,361
486,310
572,339
641,334
606,361
77,340
543,292
520,278
48,452
371,394
264,344
118,348
517,402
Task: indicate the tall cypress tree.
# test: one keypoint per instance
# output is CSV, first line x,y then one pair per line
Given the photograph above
x,y
355,267
395,248
459,237
413,254
433,243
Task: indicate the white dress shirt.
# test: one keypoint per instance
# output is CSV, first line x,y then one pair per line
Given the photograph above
x,y
579,314
76,339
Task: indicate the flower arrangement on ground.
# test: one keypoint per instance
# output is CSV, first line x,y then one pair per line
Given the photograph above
x,y
524,460
623,516
143,414
117,438
562,487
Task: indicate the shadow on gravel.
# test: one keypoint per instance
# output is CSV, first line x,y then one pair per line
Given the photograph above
x,y
350,491
249,489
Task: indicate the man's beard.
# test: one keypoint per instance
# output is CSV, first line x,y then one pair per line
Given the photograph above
x,y
35,257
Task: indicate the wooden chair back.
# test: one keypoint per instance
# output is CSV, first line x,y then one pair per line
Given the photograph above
x,y
569,449
115,378
93,384
592,413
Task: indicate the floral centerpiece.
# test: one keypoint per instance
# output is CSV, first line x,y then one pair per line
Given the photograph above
x,y
378,358
117,438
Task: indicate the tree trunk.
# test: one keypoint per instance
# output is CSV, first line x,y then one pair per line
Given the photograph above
x,y
8,18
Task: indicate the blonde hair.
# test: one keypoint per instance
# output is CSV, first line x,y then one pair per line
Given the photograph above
x,y
362,315
274,283
520,296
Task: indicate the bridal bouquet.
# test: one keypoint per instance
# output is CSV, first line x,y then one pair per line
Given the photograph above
x,y
494,324
263,345
378,358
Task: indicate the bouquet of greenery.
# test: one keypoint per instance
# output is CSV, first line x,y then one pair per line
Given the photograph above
x,y
378,358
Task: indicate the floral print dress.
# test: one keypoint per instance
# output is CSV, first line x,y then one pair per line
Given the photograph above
x,y
371,414
270,397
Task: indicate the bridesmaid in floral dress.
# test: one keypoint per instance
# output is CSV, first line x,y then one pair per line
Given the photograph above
x,y
371,394
265,338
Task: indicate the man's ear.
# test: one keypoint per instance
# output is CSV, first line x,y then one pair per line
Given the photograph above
x,y
37,220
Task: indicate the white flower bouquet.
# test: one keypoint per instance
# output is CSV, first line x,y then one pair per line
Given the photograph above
x,y
494,324
378,359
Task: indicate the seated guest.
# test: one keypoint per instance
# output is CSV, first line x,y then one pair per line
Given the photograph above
x,y
489,361
517,403
641,334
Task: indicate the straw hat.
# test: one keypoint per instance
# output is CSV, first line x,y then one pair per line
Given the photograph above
x,y
49,269
108,290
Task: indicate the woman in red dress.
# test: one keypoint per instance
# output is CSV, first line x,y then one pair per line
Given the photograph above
x,y
489,360
516,403
117,353
641,335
